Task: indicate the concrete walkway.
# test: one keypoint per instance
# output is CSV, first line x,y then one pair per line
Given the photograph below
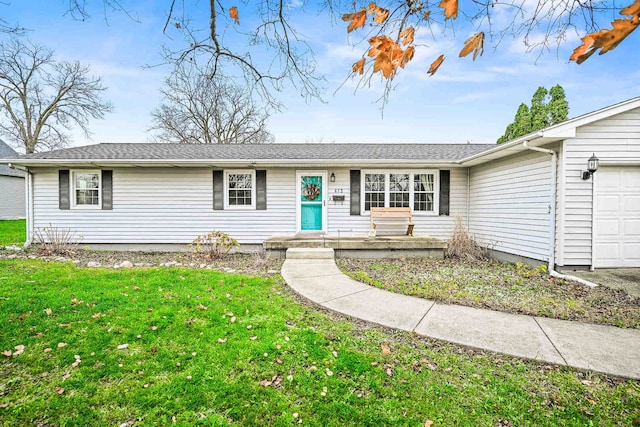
x,y
313,274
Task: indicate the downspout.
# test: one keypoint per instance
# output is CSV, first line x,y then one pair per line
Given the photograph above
x,y
552,217
28,198
468,197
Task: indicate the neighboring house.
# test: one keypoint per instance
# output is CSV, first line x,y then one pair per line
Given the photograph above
x,y
12,205
524,199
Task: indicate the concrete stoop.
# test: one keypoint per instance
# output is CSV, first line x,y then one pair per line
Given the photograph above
x,y
310,253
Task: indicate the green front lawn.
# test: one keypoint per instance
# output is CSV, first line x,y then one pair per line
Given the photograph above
x,y
12,232
196,347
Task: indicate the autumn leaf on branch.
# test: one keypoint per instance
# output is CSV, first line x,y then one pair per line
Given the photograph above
x,y
605,39
357,19
381,14
435,65
473,44
233,13
450,8
387,53
407,35
407,55
358,67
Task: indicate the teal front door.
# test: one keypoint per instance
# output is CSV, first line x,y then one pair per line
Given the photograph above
x,y
311,201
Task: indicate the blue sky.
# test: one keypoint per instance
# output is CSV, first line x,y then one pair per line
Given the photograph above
x,y
464,101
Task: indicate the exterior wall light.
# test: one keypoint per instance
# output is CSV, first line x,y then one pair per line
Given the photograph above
x,y
592,167
332,178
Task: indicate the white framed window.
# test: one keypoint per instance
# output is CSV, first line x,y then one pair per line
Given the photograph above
x,y
400,188
240,189
86,189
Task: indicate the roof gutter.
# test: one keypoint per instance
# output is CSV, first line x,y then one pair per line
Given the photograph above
x,y
552,216
231,162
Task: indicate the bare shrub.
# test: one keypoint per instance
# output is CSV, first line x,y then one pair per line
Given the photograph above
x,y
213,245
53,240
463,245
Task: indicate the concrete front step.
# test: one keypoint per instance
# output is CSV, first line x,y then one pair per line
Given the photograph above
x,y
310,253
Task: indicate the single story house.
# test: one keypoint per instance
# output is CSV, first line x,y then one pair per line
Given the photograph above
x,y
527,198
12,189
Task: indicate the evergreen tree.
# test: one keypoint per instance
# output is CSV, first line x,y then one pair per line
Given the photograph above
x,y
548,107
558,106
538,112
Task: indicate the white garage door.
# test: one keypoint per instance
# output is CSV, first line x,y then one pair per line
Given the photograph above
x,y
617,216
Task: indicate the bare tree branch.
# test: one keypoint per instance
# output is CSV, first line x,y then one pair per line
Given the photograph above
x,y
199,109
41,98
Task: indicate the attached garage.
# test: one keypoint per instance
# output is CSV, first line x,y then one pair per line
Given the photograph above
x,y
617,217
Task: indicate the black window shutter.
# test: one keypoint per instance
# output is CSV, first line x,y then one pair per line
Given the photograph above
x,y
445,186
261,190
355,191
218,191
63,189
107,190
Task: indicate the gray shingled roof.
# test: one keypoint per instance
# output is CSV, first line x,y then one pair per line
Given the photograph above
x,y
7,152
364,152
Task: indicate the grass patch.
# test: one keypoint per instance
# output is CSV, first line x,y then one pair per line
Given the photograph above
x,y
13,232
513,288
206,348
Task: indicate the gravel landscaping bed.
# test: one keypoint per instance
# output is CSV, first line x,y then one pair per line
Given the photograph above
x,y
248,264
512,288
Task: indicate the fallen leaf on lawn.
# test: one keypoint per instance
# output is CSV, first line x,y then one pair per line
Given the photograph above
x,y
253,338
279,361
153,328
591,400
201,307
275,381
4,406
388,369
19,350
48,311
586,382
249,326
428,423
233,319
60,390
136,288
62,344
7,353
96,315
123,346
66,376
23,316
47,350
329,372
222,340
385,349
334,353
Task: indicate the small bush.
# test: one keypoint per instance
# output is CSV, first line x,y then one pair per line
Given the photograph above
x,y
54,240
213,245
463,245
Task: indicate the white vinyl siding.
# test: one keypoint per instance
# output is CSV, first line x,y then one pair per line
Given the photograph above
x,y
163,205
12,202
170,205
615,140
509,204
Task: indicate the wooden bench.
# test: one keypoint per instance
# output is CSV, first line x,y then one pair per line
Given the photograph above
x,y
386,216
